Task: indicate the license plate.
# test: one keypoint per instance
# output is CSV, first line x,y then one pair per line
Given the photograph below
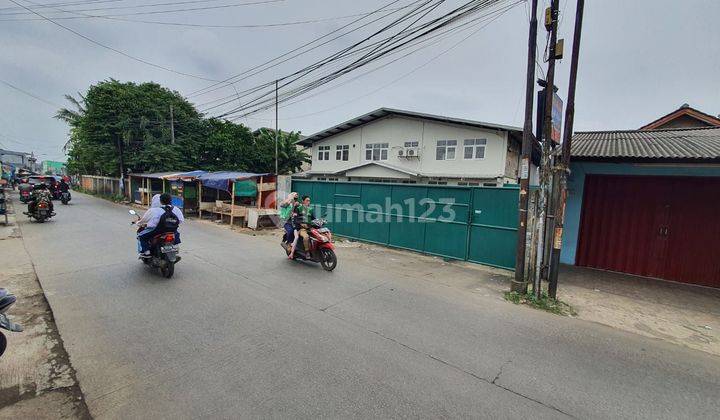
x,y
168,249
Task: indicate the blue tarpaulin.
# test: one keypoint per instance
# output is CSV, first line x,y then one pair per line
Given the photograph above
x,y
221,180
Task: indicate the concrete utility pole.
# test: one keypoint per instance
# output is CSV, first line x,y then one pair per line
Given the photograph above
x,y
563,168
551,23
172,126
277,129
519,285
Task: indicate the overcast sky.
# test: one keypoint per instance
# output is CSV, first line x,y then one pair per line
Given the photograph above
x,y
639,60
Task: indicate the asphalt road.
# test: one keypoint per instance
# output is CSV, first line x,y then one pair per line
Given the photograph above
x,y
240,332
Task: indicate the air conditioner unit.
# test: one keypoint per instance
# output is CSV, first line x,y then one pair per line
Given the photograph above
x,y
401,152
412,152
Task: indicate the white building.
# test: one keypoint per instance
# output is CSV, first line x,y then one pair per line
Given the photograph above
x,y
390,145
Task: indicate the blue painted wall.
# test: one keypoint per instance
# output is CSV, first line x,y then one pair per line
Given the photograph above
x,y
577,182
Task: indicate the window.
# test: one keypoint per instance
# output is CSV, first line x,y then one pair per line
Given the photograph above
x,y
474,148
376,151
342,152
445,149
323,152
411,143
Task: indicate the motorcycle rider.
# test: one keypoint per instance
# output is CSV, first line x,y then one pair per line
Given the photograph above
x,y
302,215
39,192
63,186
286,208
154,221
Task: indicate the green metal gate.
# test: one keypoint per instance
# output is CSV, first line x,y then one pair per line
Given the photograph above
x,y
477,224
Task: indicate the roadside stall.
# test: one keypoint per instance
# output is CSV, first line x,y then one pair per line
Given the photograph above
x,y
181,186
144,186
230,195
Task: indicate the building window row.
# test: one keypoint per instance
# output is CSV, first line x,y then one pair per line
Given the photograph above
x,y
444,150
472,149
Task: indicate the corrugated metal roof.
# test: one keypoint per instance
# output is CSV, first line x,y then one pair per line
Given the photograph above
x,y
691,143
384,112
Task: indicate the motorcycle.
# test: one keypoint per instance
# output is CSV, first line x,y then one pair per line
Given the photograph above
x,y
65,197
321,249
163,251
6,301
42,211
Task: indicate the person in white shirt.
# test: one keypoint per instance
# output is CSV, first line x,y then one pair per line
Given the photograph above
x,y
150,220
155,201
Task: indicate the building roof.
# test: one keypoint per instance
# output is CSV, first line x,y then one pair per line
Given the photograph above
x,y
362,165
685,110
385,112
693,144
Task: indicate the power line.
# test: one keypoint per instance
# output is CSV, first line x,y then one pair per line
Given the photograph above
x,y
124,54
345,52
10,85
260,103
153,12
416,69
289,55
75,3
120,18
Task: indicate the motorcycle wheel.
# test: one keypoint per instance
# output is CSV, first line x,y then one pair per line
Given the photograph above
x,y
40,220
3,343
168,270
329,260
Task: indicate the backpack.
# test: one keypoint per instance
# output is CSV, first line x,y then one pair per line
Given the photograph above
x,y
168,221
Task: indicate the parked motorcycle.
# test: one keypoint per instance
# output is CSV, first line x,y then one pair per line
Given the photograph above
x,y
6,301
321,249
163,251
65,197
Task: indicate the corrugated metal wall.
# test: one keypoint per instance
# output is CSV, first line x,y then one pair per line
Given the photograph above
x,y
477,224
664,227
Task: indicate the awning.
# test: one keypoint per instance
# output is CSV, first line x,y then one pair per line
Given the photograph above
x,y
221,180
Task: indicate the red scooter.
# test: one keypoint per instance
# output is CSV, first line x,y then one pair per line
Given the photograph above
x,y
321,249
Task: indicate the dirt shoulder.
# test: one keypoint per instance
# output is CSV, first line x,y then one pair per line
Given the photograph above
x,y
36,378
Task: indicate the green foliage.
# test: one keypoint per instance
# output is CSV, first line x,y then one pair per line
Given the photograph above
x,y
129,123
545,302
290,156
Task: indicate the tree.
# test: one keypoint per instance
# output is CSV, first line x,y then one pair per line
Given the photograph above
x,y
291,156
127,125
118,125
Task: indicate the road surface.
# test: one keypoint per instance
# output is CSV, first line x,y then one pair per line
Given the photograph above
x,y
240,332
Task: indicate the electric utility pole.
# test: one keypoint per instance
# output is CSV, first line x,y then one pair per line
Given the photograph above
x,y
563,168
519,285
172,126
551,24
277,130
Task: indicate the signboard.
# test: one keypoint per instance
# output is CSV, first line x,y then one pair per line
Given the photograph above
x,y
557,111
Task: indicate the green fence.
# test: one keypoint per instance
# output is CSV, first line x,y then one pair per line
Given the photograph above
x,y
477,224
